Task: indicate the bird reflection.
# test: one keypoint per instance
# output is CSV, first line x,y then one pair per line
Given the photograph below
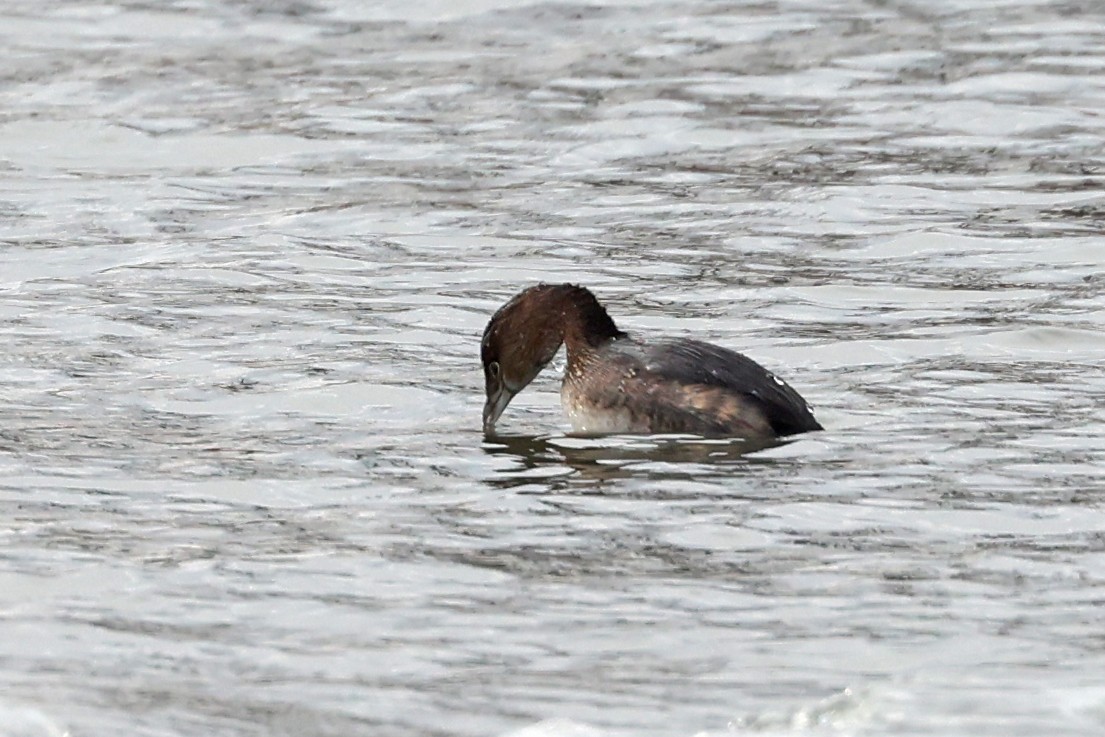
x,y
559,462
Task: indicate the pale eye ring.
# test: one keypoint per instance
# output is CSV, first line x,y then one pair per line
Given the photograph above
x,y
493,369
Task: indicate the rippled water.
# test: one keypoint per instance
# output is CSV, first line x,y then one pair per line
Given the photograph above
x,y
246,253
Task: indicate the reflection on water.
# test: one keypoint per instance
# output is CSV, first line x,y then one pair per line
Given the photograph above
x,y
246,253
561,463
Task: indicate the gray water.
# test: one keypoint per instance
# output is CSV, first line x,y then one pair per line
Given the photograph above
x,y
247,250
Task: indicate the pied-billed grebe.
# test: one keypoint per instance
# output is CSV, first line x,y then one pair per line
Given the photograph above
x,y
616,383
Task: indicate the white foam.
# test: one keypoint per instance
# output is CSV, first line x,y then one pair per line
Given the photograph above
x,y
559,728
24,721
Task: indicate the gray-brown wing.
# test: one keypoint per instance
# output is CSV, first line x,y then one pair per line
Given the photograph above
x,y
695,362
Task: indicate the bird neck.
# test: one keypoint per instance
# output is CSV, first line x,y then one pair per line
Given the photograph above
x,y
584,322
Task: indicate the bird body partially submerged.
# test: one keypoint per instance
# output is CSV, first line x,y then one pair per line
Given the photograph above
x,y
616,383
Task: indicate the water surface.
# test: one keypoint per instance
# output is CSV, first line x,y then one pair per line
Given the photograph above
x,y
246,254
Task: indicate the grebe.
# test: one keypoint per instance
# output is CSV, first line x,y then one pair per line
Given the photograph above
x,y
617,383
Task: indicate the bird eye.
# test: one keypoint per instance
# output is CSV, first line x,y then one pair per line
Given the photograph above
x,y
493,369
